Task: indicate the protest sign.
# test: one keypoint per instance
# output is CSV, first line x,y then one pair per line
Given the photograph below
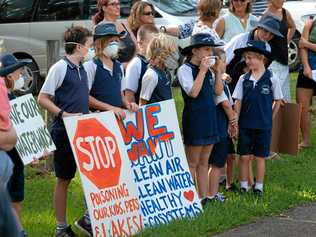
x,y
105,172
155,149
34,140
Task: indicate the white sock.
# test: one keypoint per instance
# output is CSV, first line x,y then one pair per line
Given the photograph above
x,y
259,186
244,184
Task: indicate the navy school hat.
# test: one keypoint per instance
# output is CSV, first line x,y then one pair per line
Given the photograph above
x,y
256,46
269,23
9,63
200,40
104,29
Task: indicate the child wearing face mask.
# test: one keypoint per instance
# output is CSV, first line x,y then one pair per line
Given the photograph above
x,y
106,73
65,93
163,57
138,65
199,84
13,80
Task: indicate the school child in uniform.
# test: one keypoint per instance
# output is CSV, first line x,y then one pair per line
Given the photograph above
x,y
106,73
163,57
65,93
15,186
199,123
227,128
258,97
137,67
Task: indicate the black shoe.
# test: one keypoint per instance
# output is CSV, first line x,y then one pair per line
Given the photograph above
x,y
84,226
67,232
243,190
257,192
205,202
232,188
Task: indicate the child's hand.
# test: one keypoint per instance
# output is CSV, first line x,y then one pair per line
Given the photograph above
x,y
205,64
119,112
226,77
132,107
220,66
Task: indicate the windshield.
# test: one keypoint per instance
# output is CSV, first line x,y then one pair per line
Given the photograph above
x,y
177,7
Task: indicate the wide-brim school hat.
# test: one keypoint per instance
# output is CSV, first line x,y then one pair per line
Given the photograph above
x,y
9,63
269,23
200,40
256,46
105,29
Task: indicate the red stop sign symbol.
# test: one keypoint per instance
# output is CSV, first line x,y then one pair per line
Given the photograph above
x,y
98,153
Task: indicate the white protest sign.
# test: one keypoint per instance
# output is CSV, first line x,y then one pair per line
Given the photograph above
x,y
34,140
155,148
110,191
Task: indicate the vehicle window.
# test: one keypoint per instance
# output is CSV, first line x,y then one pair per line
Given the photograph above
x,y
12,11
177,7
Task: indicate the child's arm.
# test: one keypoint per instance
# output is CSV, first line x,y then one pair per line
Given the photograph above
x,y
99,105
132,75
149,83
275,108
304,44
7,139
219,68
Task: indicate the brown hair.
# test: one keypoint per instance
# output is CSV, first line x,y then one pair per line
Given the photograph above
x,y
248,9
146,29
208,9
75,34
99,16
100,44
137,11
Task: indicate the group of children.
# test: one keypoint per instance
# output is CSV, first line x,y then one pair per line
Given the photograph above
x,y
82,82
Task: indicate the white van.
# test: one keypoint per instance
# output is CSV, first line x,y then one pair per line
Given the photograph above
x,y
26,25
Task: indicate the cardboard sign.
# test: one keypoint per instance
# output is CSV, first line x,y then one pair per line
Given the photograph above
x,y
155,149
106,176
34,140
285,129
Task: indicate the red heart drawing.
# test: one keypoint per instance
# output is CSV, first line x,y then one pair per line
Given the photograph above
x,y
189,195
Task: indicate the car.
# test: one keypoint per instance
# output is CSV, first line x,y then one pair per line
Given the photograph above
x,y
26,26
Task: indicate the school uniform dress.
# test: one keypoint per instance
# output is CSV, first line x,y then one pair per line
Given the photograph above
x,y
135,71
255,119
156,85
68,84
199,121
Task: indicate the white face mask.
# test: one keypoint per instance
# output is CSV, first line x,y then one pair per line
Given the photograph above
x,y
111,50
172,61
90,55
18,84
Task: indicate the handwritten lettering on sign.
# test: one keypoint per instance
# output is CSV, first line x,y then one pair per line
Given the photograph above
x,y
165,187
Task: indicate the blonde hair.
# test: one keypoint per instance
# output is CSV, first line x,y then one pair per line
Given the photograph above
x,y
208,9
137,11
258,55
159,48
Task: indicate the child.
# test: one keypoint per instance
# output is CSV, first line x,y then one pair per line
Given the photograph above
x,y
138,65
106,74
162,56
199,113
14,81
65,93
227,126
255,93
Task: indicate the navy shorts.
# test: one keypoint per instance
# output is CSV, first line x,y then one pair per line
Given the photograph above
x,y
219,153
231,147
201,141
16,182
254,142
305,82
64,161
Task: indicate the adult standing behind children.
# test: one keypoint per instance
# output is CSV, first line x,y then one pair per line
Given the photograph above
x,y
236,20
279,45
109,11
306,84
65,93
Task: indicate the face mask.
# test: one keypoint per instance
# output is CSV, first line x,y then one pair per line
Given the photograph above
x,y
171,61
111,50
18,84
90,55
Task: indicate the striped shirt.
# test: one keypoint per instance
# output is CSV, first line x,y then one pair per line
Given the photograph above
x,y
258,7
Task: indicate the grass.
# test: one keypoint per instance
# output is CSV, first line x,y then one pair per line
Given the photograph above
x,y
290,181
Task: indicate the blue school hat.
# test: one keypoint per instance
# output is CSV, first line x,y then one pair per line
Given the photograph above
x,y
104,29
256,46
269,23
200,40
9,63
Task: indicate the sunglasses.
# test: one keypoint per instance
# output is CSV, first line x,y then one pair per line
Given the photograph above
x,y
148,13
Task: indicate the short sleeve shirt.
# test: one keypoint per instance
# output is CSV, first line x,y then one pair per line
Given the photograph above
x,y
149,83
133,72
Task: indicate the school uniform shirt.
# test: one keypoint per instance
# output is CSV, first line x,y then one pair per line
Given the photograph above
x,y
105,84
68,84
135,71
254,99
156,85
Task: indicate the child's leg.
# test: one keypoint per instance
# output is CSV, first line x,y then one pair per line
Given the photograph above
x,y
250,176
193,156
244,171
202,170
260,169
213,177
60,200
230,170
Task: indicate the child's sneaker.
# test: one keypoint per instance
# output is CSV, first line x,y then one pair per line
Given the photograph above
x,y
23,233
257,192
67,232
84,226
232,188
205,201
243,190
219,197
